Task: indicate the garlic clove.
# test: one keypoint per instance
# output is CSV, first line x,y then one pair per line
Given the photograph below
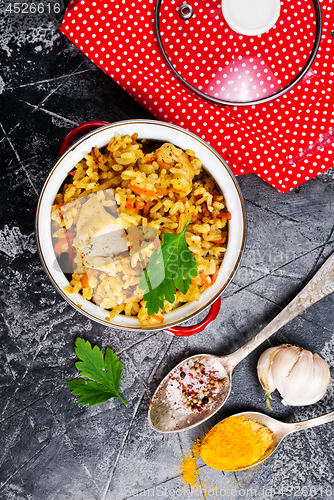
x,y
316,386
300,377
283,363
296,384
264,371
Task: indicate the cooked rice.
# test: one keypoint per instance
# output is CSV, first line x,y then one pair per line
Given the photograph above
x,y
147,193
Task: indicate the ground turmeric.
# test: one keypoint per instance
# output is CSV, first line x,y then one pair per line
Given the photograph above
x,y
188,467
235,443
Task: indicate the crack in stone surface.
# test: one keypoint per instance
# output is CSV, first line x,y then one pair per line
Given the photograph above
x,y
25,407
71,446
2,486
107,485
321,252
155,367
265,209
301,315
49,80
39,106
271,273
136,343
19,160
55,115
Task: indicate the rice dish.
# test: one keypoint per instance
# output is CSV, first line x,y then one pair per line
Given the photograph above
x,y
112,211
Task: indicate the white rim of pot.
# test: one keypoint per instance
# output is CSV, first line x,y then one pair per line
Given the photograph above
x,y
148,129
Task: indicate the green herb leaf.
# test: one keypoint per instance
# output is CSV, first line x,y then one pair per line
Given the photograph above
x,y
90,392
171,266
105,372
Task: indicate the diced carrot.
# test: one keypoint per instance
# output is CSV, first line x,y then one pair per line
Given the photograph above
x,y
88,276
84,282
158,318
72,173
58,246
71,185
131,201
221,240
140,190
204,279
147,207
150,157
162,164
212,280
224,215
129,204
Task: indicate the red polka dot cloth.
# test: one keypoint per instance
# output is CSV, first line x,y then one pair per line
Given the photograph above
x,y
286,141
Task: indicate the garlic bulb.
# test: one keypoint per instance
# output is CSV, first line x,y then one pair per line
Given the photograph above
x,y
299,376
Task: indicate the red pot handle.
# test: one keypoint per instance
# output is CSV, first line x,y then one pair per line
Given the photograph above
x,y
82,129
185,331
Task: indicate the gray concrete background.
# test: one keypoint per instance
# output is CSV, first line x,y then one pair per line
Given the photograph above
x,y
52,448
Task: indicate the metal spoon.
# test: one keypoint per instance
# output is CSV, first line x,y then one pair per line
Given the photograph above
x,y
281,429
163,417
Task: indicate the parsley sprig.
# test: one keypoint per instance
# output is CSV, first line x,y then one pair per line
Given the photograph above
x,y
103,374
171,266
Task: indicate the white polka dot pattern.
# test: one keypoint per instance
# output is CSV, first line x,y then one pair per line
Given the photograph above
x,y
286,141
225,65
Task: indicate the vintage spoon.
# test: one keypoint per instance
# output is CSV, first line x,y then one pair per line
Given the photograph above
x,y
281,429
164,418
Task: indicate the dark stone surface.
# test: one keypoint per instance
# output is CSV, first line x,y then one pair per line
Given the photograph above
x,y
52,448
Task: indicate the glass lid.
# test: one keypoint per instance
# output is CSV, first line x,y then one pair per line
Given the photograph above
x,y
253,53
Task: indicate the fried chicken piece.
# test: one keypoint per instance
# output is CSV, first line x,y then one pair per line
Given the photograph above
x,y
178,159
99,237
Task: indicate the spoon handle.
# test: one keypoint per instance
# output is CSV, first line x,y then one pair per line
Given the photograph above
x,y
319,286
312,422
